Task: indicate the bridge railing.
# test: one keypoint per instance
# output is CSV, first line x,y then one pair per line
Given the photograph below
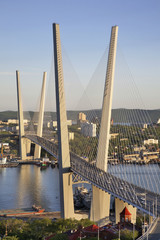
x,y
119,188
149,229
104,180
45,143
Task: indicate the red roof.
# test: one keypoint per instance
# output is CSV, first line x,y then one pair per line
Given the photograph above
x,y
125,212
92,228
74,236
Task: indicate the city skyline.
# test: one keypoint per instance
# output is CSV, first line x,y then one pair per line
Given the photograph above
x,y
26,45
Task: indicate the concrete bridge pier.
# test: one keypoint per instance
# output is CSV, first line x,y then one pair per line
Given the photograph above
x,y
100,205
28,146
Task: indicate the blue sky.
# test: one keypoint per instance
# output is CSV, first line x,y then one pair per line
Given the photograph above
x,y
26,42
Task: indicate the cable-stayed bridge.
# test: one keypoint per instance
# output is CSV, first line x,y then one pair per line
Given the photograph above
x,y
103,183
115,186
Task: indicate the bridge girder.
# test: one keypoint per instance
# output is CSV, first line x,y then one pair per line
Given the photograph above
x,y
104,180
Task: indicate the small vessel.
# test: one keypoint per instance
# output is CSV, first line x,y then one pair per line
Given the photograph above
x,y
82,197
44,163
8,165
54,163
87,199
38,209
43,166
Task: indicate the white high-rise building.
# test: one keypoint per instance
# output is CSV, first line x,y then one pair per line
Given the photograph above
x,y
88,129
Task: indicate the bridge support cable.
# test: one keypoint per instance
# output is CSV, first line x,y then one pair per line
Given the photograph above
x,y
117,187
129,136
130,128
106,181
134,126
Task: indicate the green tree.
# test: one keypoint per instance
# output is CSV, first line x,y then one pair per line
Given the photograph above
x,y
10,238
60,237
91,238
128,235
85,222
39,228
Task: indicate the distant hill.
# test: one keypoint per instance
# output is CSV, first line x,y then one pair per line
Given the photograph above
x,y
4,116
135,115
118,115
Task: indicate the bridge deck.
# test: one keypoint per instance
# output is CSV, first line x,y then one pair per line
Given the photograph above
x,y
115,186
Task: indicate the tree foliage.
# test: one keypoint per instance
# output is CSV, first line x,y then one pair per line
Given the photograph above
x,y
39,228
128,234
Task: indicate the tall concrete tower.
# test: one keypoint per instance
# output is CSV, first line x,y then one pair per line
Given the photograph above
x,y
101,201
37,152
22,147
65,176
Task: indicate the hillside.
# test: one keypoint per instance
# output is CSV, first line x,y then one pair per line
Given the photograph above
x,y
118,115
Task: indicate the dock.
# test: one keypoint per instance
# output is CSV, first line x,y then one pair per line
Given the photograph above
x,y
8,165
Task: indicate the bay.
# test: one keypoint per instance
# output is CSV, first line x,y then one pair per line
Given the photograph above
x,y
25,185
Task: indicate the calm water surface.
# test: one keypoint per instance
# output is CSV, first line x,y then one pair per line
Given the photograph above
x,y
25,185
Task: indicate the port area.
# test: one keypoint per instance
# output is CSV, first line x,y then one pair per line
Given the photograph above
x,y
8,165
22,214
27,213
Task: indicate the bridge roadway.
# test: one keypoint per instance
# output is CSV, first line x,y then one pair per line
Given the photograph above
x,y
155,234
143,199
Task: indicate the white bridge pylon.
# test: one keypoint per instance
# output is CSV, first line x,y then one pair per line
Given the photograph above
x,y
100,199
100,205
25,144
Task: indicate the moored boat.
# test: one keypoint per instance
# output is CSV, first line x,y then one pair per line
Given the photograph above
x,y
43,166
82,197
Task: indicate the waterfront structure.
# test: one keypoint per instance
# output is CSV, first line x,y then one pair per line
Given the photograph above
x,y
88,129
4,145
65,175
37,151
150,141
16,121
148,156
101,200
131,157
